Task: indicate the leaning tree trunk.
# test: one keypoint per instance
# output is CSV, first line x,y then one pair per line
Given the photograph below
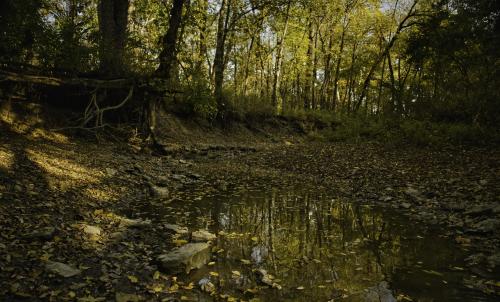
x,y
169,41
167,60
113,17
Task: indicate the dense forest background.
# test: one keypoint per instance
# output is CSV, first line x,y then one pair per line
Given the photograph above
x,y
419,60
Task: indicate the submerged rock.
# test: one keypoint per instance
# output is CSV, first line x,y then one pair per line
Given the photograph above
x,y
379,293
202,235
188,257
206,285
264,277
61,269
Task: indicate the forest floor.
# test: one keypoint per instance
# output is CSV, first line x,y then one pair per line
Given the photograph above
x,y
71,229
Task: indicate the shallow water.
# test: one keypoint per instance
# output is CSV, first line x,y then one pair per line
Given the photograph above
x,y
319,248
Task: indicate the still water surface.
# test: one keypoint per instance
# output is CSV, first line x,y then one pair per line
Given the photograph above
x,y
319,248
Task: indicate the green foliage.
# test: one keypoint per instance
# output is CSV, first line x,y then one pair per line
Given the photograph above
x,y
199,101
250,108
404,131
21,27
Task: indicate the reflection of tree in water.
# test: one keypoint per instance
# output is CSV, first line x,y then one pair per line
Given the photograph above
x,y
308,239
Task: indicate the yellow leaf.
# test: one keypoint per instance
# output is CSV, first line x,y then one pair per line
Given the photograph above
x,y
179,242
300,288
71,294
211,263
156,275
157,288
184,298
245,261
174,288
236,273
189,286
255,239
133,279
215,274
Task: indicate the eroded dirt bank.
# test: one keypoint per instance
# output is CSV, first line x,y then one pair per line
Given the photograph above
x,y
72,226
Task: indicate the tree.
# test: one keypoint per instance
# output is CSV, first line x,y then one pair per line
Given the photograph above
x,y
113,20
169,41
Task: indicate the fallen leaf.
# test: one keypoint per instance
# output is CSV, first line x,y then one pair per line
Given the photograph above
x,y
133,279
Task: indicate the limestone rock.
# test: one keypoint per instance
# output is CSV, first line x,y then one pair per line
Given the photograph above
x,y
61,269
188,257
159,192
91,230
177,229
134,223
202,235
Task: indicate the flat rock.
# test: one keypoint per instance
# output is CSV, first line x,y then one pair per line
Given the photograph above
x,y
406,205
91,230
177,229
134,223
61,269
188,257
202,235
159,192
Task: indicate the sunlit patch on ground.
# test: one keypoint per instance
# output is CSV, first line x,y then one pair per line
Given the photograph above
x,y
101,194
6,159
63,171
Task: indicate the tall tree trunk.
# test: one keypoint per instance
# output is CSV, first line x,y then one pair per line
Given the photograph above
x,y
394,96
351,79
223,20
113,19
324,92
337,71
202,51
381,85
314,73
247,65
309,60
169,41
277,68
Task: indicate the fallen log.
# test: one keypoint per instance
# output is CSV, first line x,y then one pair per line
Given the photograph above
x,y
156,85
